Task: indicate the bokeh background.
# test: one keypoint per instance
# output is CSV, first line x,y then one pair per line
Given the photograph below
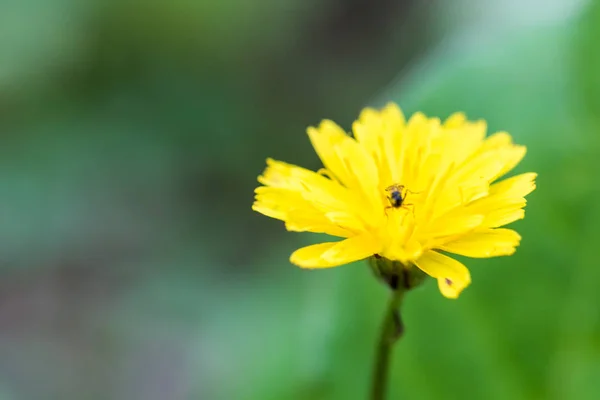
x,y
131,135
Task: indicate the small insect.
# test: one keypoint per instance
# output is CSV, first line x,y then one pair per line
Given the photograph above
x,y
396,195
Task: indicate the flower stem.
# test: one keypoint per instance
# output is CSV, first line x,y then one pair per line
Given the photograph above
x,y
391,330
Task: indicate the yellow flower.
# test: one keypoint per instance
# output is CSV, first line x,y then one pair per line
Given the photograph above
x,y
404,191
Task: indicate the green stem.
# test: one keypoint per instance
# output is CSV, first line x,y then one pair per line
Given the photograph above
x,y
391,330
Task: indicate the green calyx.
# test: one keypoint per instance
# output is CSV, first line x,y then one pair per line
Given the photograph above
x,y
396,275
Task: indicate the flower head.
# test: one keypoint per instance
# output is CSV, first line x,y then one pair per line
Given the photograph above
x,y
403,190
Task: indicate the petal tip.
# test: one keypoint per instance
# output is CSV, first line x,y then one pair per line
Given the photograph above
x,y
452,289
392,107
299,261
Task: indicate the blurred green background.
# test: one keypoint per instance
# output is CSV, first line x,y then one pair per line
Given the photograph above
x,y
131,135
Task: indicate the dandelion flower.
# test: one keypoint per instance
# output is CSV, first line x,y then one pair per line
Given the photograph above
x,y
408,191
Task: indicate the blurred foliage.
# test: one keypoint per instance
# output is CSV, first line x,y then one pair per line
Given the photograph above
x,y
132,267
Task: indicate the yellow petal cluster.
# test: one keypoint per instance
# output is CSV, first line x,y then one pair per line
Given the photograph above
x,y
446,173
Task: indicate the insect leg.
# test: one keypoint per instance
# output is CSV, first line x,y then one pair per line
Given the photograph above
x,y
412,208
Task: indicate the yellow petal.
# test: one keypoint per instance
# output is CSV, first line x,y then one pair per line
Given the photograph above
x,y
306,221
517,186
485,243
459,139
277,203
287,176
505,201
306,200
345,219
283,175
491,160
455,222
401,243
452,275
456,120
448,288
505,215
483,167
413,152
365,175
269,211
471,180
326,255
467,139
286,186
367,131
310,256
393,135
294,226
325,139
352,249
497,140
301,215
393,116
512,158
